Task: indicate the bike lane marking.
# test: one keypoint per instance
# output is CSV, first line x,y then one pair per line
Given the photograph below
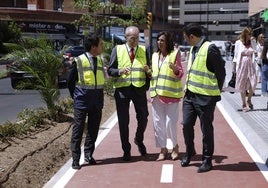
x,y
167,173
64,175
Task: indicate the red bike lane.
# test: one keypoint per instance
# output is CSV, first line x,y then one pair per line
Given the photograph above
x,y
232,165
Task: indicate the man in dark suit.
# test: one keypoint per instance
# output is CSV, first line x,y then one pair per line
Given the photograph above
x,y
204,81
129,67
85,83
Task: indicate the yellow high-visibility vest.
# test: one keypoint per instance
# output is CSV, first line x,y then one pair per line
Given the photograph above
x,y
137,75
86,76
199,79
163,81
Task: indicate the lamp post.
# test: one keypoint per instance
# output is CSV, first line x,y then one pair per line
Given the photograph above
x,y
231,24
231,11
207,16
109,13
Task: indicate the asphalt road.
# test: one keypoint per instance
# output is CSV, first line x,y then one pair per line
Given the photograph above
x,y
14,101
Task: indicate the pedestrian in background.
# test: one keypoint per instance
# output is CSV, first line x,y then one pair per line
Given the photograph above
x,y
245,67
204,81
176,46
264,75
259,48
166,92
129,65
228,47
85,83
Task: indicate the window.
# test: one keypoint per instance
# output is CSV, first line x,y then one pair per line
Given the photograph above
x,y
57,5
128,3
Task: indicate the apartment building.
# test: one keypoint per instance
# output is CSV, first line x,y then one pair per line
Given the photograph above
x,y
219,17
53,17
36,17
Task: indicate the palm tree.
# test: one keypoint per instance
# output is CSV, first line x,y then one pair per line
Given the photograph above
x,y
38,58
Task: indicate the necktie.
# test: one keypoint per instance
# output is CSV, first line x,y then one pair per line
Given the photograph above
x,y
94,64
131,54
193,53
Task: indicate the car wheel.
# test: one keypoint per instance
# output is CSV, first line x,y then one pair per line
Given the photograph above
x,y
14,82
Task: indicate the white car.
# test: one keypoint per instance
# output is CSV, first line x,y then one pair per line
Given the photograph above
x,y
221,45
184,52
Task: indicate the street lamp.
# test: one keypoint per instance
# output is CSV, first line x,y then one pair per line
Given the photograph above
x,y
231,11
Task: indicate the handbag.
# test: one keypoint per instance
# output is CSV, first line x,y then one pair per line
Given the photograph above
x,y
231,83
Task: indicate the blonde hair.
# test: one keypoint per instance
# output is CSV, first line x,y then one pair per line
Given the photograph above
x,y
244,33
260,38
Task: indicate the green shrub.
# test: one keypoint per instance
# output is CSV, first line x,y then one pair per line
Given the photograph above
x,y
28,120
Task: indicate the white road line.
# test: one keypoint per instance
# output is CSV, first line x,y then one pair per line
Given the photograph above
x,y
63,176
169,144
167,173
251,151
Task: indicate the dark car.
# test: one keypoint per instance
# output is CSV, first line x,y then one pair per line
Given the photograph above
x,y
120,39
73,51
18,75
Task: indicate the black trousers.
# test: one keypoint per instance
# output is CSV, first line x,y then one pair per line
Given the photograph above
x,y
191,109
123,97
94,118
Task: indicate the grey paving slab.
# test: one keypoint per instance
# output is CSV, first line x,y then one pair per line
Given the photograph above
x,y
253,124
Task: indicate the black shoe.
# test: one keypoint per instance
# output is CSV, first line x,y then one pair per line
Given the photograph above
x,y
205,167
186,158
126,156
76,165
90,160
141,147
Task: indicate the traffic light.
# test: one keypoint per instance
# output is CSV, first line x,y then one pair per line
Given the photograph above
x,y
149,20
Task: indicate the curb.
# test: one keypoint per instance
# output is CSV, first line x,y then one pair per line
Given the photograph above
x,y
250,134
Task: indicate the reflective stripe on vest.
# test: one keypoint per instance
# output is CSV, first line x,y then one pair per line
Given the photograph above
x,y
199,79
86,76
137,76
164,82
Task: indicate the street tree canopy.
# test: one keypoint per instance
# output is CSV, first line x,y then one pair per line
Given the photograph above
x,y
101,14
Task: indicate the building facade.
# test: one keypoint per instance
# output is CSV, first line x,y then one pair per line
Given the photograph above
x,y
219,17
43,17
256,8
54,18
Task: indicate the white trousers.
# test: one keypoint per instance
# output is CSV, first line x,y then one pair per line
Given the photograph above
x,y
165,119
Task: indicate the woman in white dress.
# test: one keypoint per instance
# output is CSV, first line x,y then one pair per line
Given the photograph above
x,y
244,59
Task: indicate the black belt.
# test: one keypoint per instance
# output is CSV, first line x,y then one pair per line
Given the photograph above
x,y
189,93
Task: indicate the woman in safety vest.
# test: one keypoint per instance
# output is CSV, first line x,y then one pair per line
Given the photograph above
x,y
166,93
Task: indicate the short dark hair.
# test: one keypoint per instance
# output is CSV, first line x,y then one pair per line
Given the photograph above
x,y
91,40
194,29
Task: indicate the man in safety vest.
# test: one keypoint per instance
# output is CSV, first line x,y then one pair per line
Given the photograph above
x,y
129,67
85,83
204,81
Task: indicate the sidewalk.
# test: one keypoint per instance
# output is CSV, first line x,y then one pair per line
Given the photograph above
x,y
253,124
241,142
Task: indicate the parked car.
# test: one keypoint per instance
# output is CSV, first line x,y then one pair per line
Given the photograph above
x,y
221,46
18,75
184,52
73,51
120,39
